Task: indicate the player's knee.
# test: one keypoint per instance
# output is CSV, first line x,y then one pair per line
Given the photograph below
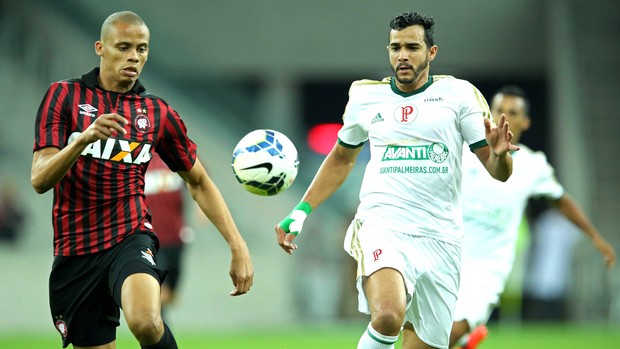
x,y
147,328
388,321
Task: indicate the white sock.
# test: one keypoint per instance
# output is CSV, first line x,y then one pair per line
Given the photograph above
x,y
371,339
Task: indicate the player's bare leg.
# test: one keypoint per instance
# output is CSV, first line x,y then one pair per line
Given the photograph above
x,y
385,292
411,339
459,329
141,306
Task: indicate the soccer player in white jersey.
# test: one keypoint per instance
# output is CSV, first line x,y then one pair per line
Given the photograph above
x,y
492,212
406,234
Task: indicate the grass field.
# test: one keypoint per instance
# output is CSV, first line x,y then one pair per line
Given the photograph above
x,y
345,336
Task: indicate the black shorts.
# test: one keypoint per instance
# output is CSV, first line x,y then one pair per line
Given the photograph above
x,y
85,290
170,259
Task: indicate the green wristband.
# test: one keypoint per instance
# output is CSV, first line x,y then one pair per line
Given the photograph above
x,y
293,223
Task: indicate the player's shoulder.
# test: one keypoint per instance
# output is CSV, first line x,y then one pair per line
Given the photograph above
x,y
361,89
152,96
369,83
449,81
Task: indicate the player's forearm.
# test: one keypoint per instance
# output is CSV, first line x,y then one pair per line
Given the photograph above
x,y
50,165
212,204
499,166
575,214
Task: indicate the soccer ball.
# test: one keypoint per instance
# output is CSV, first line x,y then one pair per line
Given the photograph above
x,y
265,162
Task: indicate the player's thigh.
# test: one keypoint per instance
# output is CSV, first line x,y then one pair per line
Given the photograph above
x,y
135,277
140,297
385,290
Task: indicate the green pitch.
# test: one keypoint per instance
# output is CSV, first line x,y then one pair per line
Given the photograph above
x,y
345,337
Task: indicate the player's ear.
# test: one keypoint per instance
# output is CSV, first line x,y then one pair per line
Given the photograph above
x,y
527,123
432,52
98,48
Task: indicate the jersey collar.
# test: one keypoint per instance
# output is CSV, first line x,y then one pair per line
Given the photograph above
x,y
90,79
408,94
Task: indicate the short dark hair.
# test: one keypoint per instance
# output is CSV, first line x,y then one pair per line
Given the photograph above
x,y
407,19
120,17
515,91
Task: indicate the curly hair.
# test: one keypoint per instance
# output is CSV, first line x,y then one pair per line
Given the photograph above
x,y
407,19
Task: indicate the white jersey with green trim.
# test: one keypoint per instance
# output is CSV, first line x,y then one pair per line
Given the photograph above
x,y
412,181
493,210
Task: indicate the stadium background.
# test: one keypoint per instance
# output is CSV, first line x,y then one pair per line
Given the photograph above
x,y
230,67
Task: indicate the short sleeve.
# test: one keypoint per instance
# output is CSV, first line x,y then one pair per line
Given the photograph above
x,y
352,134
174,146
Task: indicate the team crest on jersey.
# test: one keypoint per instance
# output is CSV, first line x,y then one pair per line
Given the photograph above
x,y
438,152
61,326
142,123
405,113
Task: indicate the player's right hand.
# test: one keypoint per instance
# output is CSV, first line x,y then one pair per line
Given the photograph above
x,y
104,127
285,240
291,226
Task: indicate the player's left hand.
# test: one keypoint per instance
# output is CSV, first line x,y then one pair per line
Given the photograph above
x,y
241,270
499,137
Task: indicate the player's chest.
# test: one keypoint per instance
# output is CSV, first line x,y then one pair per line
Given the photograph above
x,y
142,114
417,115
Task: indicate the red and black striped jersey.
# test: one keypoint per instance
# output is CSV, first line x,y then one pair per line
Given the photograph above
x,y
101,198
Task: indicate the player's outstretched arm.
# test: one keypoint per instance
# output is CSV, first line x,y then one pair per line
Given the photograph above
x,y
211,202
575,214
330,176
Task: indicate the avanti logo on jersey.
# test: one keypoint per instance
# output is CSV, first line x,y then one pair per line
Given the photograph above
x,y
405,113
88,110
436,152
116,150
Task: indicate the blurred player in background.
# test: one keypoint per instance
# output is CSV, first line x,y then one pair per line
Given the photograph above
x,y
94,137
492,212
407,231
165,196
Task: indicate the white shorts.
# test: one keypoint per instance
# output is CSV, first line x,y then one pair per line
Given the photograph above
x,y
481,286
430,269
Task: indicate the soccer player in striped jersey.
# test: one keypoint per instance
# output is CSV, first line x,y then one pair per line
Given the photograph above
x,y
492,213
94,138
407,231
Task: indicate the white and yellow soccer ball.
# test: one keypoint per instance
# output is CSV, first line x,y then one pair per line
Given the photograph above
x,y
265,162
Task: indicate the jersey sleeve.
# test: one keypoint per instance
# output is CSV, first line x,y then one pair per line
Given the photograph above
x,y
474,109
51,122
174,146
546,184
352,134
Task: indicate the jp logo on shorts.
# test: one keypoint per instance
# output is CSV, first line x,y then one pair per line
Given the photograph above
x,y
61,326
148,255
375,254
